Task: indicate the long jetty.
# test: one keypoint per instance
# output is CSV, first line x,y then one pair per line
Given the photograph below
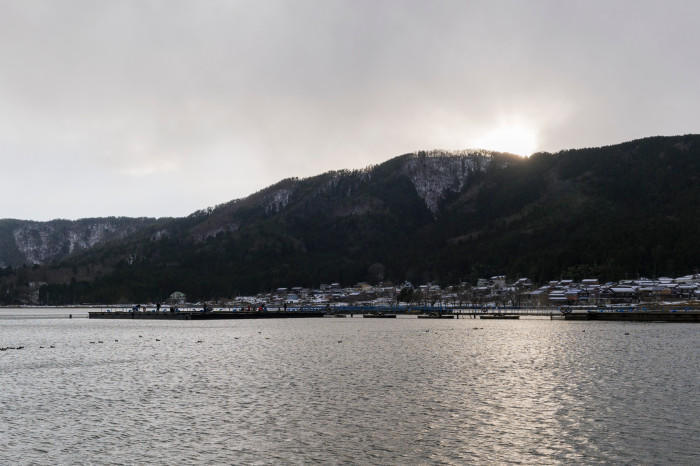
x,y
199,315
604,314
431,312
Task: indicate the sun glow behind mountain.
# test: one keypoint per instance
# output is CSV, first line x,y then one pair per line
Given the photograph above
x,y
516,138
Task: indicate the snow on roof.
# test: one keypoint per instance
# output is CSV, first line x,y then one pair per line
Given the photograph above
x,y
623,290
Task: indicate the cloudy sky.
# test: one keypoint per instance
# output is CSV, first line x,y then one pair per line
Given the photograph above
x,y
159,108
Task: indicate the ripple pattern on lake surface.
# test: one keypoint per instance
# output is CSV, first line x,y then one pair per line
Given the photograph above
x,y
401,391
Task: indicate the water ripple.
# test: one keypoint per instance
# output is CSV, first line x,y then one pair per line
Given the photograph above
x,y
338,391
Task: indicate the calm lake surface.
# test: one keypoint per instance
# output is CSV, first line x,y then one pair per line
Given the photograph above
x,y
363,391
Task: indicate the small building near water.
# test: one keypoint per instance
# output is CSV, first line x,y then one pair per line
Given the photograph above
x,y
177,297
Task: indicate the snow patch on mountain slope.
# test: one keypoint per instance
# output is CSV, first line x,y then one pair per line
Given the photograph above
x,y
277,200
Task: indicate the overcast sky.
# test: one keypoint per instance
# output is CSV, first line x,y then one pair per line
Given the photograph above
x,y
160,108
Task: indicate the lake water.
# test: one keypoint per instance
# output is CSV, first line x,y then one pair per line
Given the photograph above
x,y
363,391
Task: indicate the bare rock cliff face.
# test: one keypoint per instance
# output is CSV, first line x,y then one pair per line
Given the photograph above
x,y
29,242
436,173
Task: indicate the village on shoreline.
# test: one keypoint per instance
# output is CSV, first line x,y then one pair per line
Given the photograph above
x,y
495,291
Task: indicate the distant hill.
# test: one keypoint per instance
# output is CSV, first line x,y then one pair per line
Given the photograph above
x,y
624,210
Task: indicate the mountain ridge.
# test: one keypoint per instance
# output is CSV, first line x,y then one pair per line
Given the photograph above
x,y
621,209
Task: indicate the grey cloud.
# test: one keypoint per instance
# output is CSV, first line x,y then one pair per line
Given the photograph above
x,y
163,107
